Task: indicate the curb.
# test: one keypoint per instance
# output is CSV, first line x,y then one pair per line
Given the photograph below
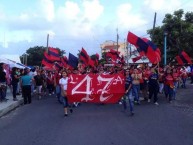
x,y
10,107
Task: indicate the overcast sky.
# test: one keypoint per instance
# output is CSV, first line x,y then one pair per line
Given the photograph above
x,y
73,24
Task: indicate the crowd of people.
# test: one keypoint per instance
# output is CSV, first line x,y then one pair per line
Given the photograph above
x,y
141,81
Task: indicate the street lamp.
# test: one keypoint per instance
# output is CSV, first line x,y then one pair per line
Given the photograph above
x,y
165,45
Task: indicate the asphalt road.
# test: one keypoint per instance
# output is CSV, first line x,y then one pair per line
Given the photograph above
x,y
43,123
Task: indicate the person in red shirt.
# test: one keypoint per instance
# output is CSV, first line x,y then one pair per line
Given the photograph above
x,y
50,83
184,76
161,81
146,74
168,84
57,77
176,76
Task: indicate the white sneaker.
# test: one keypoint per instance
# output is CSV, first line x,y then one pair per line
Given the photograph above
x,y
148,100
156,103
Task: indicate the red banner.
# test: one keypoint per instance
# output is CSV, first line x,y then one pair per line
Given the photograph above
x,y
95,88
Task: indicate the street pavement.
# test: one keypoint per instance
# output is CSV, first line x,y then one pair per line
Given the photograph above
x,y
43,123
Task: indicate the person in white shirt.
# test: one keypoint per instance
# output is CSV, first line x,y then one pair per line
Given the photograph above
x,y
63,84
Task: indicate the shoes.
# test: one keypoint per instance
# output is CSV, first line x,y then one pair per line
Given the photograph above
x,y
156,103
148,100
65,115
18,94
15,99
50,94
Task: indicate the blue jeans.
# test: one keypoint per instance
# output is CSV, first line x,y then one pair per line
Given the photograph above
x,y
136,89
183,82
131,100
174,90
14,85
58,93
168,92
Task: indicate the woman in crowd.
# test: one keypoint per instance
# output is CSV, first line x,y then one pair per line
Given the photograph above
x,y
128,92
168,84
184,76
15,79
38,81
175,75
136,84
63,84
25,81
50,83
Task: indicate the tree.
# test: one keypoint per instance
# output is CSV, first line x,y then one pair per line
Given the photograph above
x,y
179,28
35,55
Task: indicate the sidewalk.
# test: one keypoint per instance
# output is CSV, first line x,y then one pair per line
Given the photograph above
x,y
6,107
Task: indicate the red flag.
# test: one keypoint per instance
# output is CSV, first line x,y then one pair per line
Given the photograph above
x,y
179,60
186,57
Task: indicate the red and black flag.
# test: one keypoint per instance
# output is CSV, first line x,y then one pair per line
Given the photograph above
x,y
143,47
84,57
185,58
47,61
64,61
179,60
54,54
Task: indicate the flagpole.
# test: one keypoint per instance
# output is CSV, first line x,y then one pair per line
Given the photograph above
x,y
47,42
117,39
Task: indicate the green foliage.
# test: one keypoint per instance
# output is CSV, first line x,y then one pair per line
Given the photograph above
x,y
179,28
35,55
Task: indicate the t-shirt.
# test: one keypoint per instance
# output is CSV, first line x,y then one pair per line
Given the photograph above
x,y
128,82
14,80
153,80
39,80
2,76
26,80
63,82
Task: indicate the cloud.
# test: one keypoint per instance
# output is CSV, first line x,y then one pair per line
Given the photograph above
x,y
92,9
127,19
47,9
163,5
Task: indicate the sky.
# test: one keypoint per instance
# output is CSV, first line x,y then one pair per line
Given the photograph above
x,y
73,24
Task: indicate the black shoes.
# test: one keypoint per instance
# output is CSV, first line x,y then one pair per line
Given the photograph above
x,y
65,115
71,111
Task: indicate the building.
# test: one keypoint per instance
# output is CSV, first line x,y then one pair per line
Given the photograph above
x,y
129,52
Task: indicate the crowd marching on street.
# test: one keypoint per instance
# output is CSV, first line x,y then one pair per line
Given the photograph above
x,y
148,81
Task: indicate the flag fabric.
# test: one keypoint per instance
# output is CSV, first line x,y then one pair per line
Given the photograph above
x,y
91,88
185,57
143,48
54,54
72,61
47,60
137,58
84,57
179,60
64,61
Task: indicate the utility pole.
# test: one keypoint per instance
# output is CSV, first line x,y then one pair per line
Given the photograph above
x,y
117,39
154,25
47,42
